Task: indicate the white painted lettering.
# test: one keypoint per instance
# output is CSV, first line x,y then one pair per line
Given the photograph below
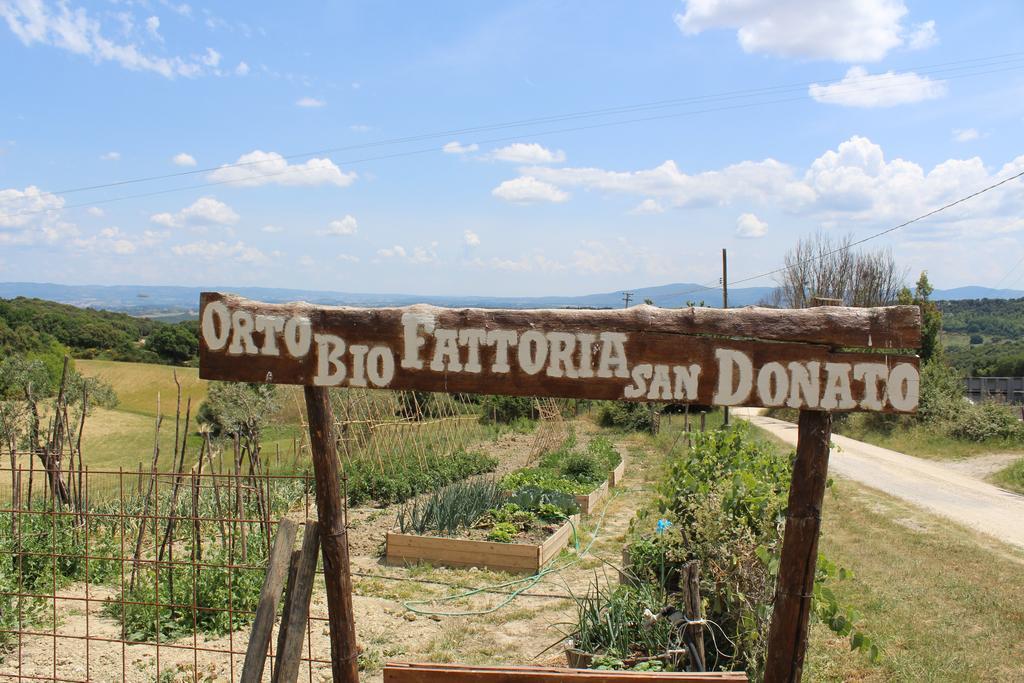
x,y
358,353
837,395
501,339
446,351
661,383
533,351
871,374
586,343
298,336
329,368
472,339
904,387
641,373
270,326
411,324
686,382
216,325
613,352
804,384
563,345
380,366
732,391
772,384
241,334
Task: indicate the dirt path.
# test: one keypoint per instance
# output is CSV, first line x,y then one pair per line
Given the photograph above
x,y
939,488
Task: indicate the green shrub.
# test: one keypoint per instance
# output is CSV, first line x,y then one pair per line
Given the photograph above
x,y
610,622
583,467
633,417
986,421
507,409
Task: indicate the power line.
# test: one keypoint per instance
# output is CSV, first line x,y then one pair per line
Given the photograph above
x,y
431,149
1006,59
894,228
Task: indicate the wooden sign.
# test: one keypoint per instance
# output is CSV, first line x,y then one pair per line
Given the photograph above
x,y
749,356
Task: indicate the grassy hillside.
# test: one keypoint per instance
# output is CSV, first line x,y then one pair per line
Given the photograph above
x,y
138,384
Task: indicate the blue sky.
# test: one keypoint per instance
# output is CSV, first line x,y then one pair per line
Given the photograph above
x,y
777,118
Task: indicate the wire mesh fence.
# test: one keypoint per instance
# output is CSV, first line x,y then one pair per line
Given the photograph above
x,y
158,585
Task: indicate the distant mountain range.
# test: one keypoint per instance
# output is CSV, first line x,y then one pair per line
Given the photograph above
x,y
171,301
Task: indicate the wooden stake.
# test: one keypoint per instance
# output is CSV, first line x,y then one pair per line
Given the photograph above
x,y
693,613
787,637
333,536
296,614
263,623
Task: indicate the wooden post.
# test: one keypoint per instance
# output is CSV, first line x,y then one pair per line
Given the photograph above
x,y
787,637
263,624
333,536
693,613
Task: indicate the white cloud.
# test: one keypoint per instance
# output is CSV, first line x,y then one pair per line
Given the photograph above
x,y
242,69
204,212
534,262
348,258
96,212
861,89
238,252
965,134
109,240
852,183
749,226
273,229
309,102
456,147
261,168
768,180
153,27
620,256
416,255
111,156
72,29
527,189
183,159
648,206
342,226
360,128
840,30
183,9
32,215
471,238
923,36
527,153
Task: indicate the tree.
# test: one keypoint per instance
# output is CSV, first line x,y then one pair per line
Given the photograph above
x,y
239,409
821,266
175,343
931,316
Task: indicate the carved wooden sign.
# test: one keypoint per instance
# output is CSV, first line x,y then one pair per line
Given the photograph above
x,y
737,357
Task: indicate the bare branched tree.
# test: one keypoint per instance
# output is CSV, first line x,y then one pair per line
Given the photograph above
x,y
822,266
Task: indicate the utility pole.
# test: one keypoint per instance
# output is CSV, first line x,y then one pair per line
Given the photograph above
x,y
725,304
627,297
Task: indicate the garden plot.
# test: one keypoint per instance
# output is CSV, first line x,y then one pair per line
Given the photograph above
x,y
519,523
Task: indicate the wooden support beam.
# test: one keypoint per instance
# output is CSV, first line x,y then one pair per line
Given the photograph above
x,y
333,536
403,672
263,624
787,636
293,623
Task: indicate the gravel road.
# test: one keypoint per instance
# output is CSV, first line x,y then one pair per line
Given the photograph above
x,y
943,489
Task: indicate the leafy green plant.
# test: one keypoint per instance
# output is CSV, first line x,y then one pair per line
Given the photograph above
x,y
408,475
544,479
632,417
503,532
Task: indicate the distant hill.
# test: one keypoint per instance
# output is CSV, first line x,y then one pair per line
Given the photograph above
x,y
157,301
173,303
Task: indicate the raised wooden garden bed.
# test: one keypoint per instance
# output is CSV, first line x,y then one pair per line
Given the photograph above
x,y
588,501
465,552
616,476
